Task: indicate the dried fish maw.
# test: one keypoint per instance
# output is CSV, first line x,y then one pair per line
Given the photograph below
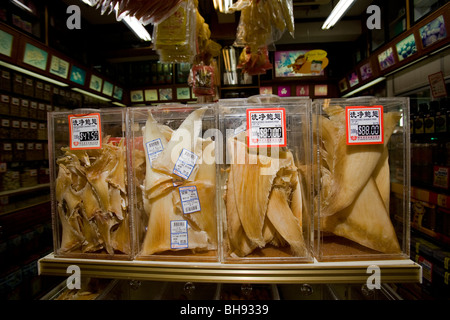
x,y
284,221
185,137
350,166
152,133
365,222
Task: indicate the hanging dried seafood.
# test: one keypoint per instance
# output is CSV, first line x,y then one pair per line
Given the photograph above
x,y
146,11
91,200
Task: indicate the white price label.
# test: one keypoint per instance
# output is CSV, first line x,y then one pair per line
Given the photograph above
x,y
85,131
364,125
266,127
189,199
178,234
185,164
154,148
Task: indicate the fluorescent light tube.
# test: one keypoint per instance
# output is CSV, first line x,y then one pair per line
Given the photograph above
x,y
338,11
21,5
33,74
367,85
137,27
90,94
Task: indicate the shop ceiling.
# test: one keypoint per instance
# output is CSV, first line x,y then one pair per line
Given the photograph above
x,y
309,16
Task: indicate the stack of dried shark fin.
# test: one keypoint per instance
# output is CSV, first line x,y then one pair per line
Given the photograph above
x,y
355,184
91,200
263,200
162,177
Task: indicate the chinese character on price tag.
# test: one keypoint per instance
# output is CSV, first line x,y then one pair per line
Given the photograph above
x,y
179,234
266,127
85,131
364,125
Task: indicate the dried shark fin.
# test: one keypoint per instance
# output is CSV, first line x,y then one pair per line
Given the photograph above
x,y
350,166
152,134
365,222
185,137
284,221
117,176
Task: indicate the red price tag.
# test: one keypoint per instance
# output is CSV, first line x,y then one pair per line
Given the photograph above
x,y
364,125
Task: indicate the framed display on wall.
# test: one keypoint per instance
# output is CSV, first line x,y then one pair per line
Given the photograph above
x,y
35,56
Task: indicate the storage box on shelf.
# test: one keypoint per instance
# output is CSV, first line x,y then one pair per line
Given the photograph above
x,y
173,178
264,202
89,192
352,185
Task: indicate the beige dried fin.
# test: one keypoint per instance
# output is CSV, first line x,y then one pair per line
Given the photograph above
x,y
92,242
120,237
365,222
240,244
117,176
105,222
101,190
284,221
115,204
382,178
153,177
185,137
71,238
350,166
90,202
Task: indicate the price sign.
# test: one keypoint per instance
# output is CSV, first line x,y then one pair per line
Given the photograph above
x,y
266,127
364,125
85,131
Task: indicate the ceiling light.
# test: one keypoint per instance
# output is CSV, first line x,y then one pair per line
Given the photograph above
x,y
134,24
137,27
93,95
21,5
367,85
33,74
339,10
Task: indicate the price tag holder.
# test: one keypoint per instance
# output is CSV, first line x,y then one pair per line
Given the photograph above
x,y
85,131
266,127
364,125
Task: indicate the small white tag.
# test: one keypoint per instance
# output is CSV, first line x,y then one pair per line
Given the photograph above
x,y
85,131
189,199
178,234
154,148
185,164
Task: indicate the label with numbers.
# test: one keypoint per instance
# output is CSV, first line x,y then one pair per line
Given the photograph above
x,y
178,234
189,199
85,131
154,148
364,125
185,164
266,127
